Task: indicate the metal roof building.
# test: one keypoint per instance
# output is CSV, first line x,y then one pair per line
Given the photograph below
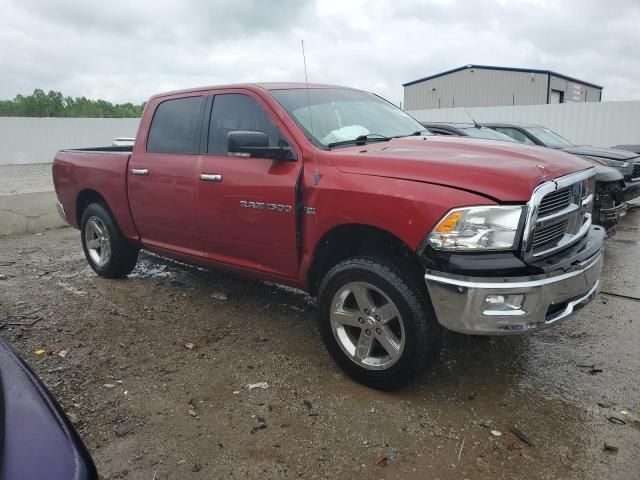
x,y
488,86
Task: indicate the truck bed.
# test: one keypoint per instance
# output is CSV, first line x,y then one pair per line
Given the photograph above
x,y
81,173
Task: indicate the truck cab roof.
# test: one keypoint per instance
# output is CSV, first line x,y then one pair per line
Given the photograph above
x,y
253,86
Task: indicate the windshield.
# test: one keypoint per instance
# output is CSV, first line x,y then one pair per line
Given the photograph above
x,y
548,138
487,133
343,116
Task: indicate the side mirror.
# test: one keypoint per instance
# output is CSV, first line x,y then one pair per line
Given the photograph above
x,y
256,144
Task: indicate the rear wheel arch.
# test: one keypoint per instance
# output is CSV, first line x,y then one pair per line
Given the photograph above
x,y
84,199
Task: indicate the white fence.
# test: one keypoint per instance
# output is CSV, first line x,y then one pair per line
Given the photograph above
x,y
36,140
603,124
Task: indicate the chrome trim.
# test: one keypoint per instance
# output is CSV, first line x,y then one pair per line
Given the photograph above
x,y
275,207
571,306
459,301
532,214
210,177
587,200
533,205
143,172
510,313
565,212
61,212
568,239
575,177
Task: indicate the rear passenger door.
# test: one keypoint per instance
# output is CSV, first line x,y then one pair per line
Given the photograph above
x,y
162,179
247,206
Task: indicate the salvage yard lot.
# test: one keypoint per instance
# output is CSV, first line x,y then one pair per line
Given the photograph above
x,y
157,370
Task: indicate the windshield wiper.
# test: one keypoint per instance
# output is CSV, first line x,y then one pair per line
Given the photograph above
x,y
361,140
417,133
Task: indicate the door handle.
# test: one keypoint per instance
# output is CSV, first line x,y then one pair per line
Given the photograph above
x,y
140,171
210,177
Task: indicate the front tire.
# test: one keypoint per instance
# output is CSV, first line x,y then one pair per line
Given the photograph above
x,y
377,322
107,250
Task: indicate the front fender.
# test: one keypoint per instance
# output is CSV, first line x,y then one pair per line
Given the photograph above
x,y
404,208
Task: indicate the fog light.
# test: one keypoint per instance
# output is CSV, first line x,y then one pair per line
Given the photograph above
x,y
496,304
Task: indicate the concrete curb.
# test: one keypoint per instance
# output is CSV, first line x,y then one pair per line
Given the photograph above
x,y
29,213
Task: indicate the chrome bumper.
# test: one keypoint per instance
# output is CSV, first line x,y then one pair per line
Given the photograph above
x,y
61,212
460,302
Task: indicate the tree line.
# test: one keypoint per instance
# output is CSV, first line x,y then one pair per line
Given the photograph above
x,y
54,104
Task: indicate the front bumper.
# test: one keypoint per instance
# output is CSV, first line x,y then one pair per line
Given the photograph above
x,y
631,189
460,302
614,213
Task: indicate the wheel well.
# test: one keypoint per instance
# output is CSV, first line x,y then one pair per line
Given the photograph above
x,y
85,198
351,240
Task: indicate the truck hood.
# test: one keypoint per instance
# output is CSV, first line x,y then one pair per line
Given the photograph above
x,y
501,171
603,152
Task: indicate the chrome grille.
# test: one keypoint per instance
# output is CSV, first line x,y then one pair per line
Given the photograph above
x,y
555,201
551,234
559,214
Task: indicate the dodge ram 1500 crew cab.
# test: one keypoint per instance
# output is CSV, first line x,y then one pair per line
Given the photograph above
x,y
336,191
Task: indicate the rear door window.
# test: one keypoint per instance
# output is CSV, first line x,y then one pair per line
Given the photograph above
x,y
175,125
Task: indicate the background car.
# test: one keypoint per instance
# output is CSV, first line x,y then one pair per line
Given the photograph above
x,y
465,130
608,206
625,161
630,148
37,438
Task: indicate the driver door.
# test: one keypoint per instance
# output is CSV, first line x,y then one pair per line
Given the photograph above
x,y
247,205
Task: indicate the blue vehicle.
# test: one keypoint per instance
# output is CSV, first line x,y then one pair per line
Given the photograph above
x,y
37,440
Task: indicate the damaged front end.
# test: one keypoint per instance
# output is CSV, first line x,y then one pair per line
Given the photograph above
x,y
609,204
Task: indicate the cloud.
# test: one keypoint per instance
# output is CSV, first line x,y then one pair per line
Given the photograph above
x,y
127,51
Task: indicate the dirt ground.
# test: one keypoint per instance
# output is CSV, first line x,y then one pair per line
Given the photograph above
x,y
148,407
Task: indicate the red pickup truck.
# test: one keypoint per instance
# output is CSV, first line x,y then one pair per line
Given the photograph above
x,y
336,191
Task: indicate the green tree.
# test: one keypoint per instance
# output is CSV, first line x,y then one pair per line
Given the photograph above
x,y
54,104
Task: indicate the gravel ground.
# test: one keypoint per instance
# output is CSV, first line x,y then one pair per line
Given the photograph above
x,y
158,366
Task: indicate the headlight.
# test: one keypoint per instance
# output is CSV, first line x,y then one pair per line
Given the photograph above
x,y
609,162
478,228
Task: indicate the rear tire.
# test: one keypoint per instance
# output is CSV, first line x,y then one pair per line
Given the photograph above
x,y
107,250
377,322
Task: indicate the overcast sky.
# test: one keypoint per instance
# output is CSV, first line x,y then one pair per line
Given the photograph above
x,y
128,50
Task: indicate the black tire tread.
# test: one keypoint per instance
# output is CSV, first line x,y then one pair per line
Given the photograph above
x,y
124,255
